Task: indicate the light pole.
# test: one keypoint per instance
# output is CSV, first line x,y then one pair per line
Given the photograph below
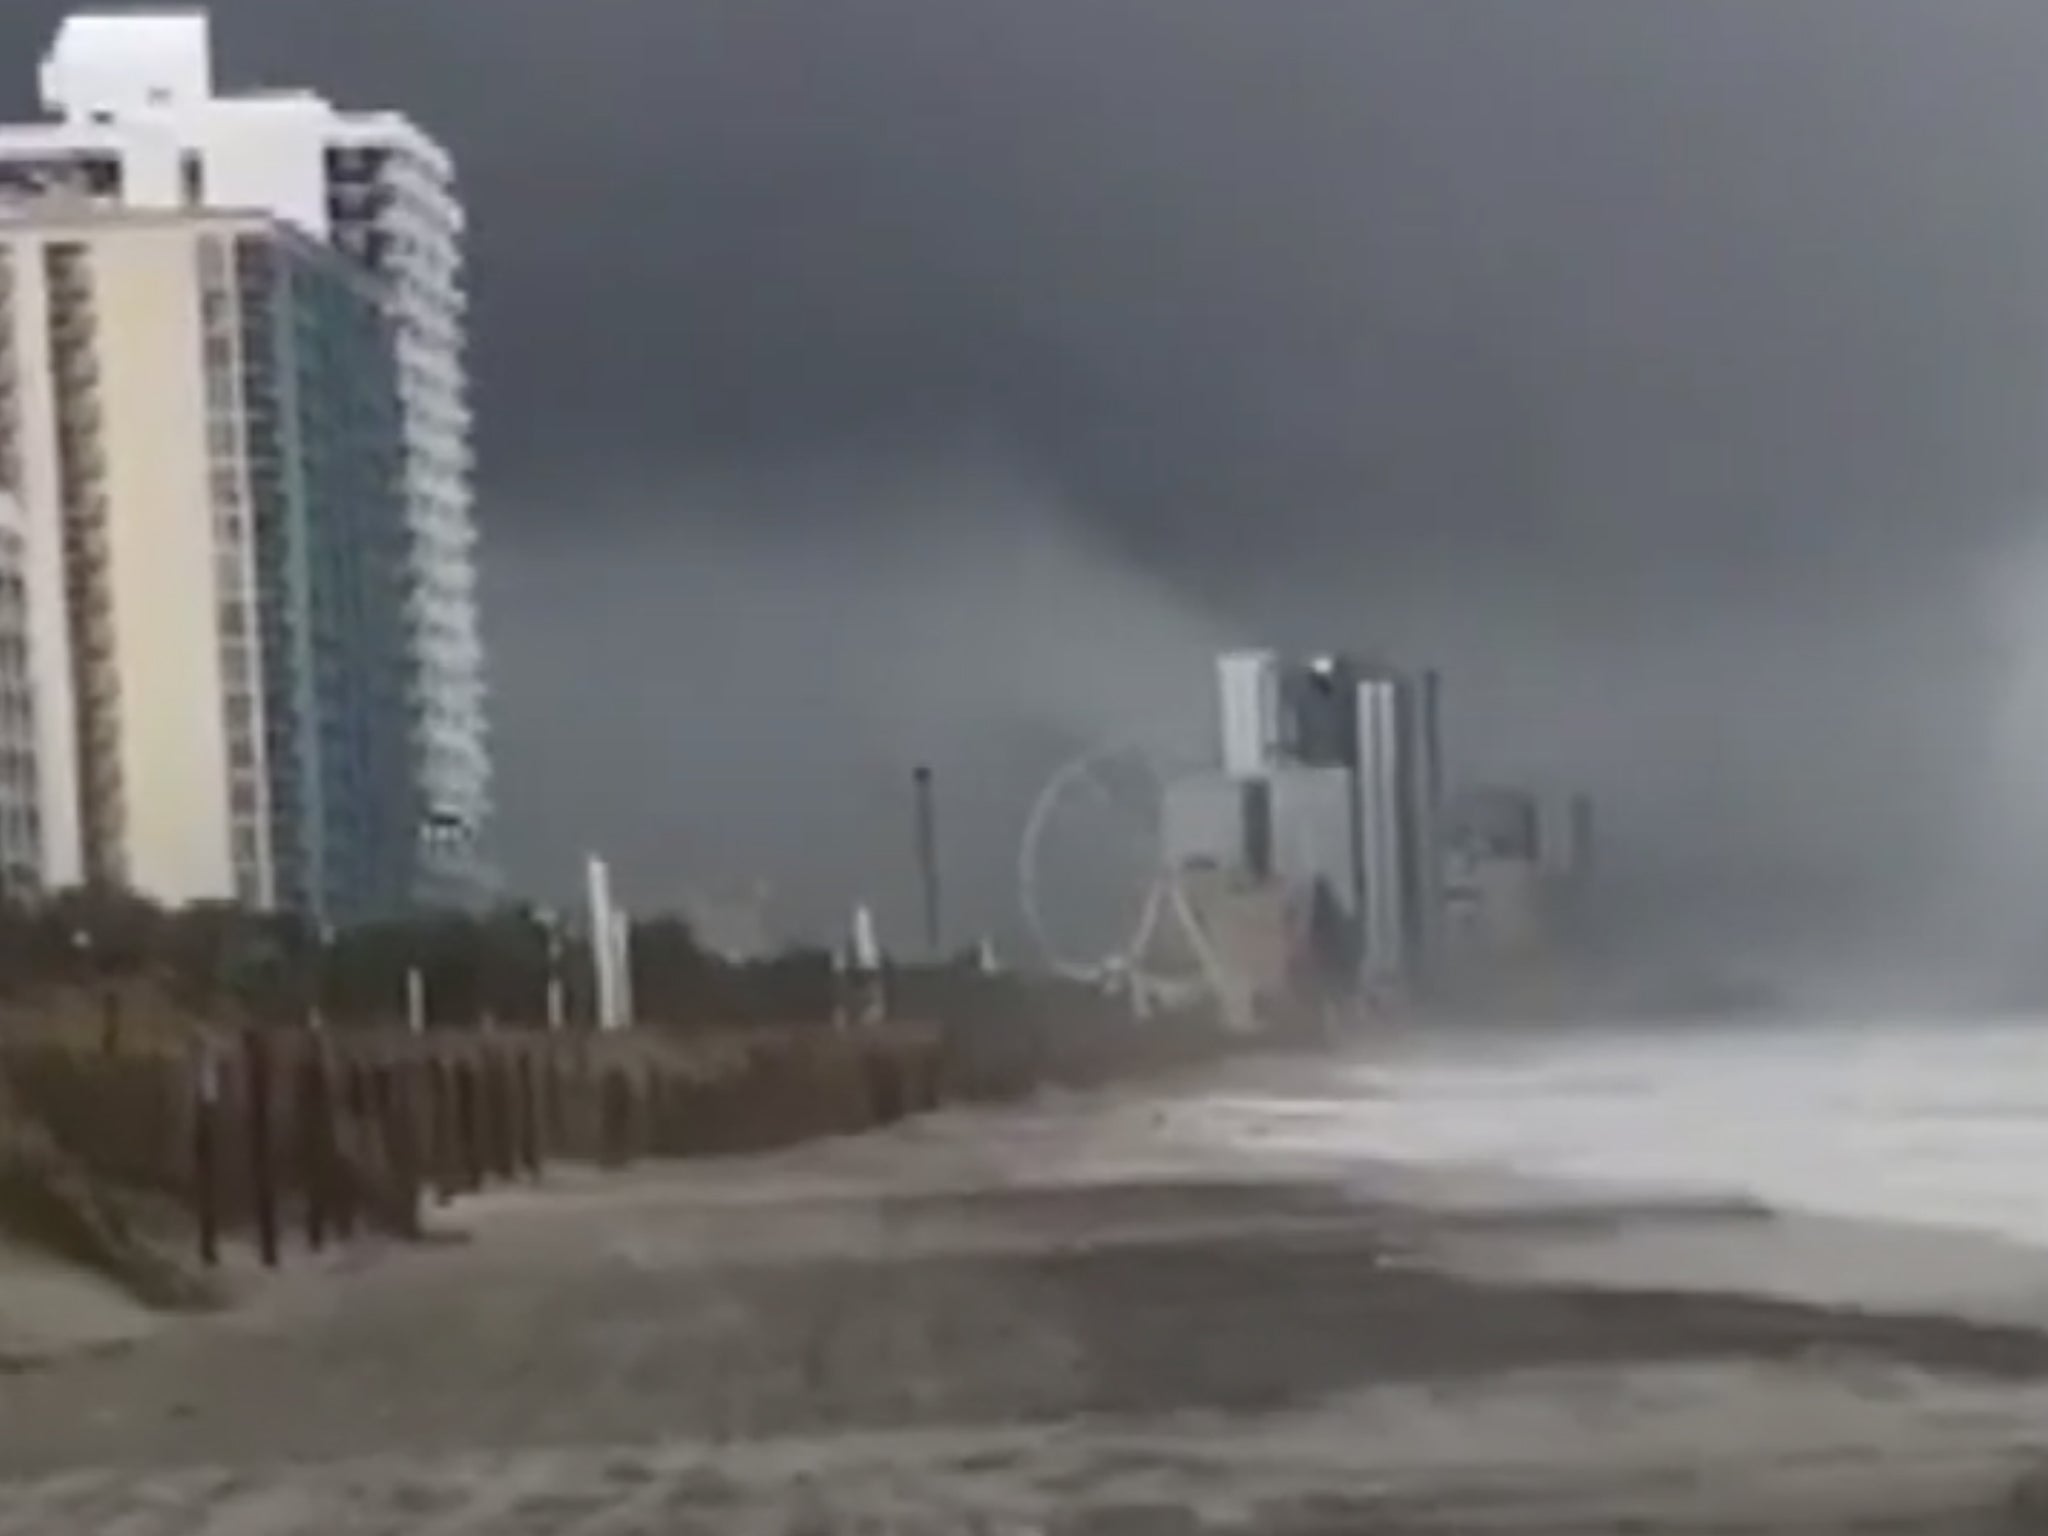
x,y
928,856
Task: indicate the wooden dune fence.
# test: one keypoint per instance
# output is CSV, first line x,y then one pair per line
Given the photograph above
x,y
272,1133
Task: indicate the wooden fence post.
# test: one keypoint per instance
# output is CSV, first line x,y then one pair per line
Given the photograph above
x,y
469,1129
654,1118
406,1147
440,1127
262,1152
485,1155
206,1152
615,1094
491,1096
530,1154
316,1147
504,1115
401,1136
554,1137
349,1125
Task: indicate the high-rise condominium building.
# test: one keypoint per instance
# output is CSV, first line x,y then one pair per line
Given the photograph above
x,y
1383,727
1399,758
21,815
200,421
137,123
1332,777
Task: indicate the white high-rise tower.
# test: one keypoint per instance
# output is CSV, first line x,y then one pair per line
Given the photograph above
x,y
136,122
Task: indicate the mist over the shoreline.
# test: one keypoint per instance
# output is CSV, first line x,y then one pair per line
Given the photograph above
x,y
1836,800
944,611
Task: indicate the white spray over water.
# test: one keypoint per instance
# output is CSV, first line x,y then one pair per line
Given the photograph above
x,y
1917,1121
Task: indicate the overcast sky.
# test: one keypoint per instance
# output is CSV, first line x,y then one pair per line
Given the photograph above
x,y
873,380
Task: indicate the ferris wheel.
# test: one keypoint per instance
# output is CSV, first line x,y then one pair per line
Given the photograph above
x,y
1137,930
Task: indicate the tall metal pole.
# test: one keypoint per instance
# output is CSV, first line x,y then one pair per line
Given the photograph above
x,y
928,857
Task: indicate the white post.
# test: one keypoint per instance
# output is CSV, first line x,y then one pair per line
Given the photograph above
x,y
622,968
555,1003
867,966
604,944
415,1000
867,948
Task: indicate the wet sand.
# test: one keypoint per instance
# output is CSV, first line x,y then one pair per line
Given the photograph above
x,y
1071,1318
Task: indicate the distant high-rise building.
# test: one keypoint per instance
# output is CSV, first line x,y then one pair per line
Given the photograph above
x,y
1400,792
1319,712
1384,727
200,419
1332,777
138,124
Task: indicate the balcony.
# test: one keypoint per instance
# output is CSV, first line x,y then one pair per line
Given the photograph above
x,y
88,559
72,324
85,477
99,695
79,453
85,522
93,649
77,375
106,805
90,552
79,420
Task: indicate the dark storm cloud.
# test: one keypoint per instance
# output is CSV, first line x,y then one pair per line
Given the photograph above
x,y
1672,371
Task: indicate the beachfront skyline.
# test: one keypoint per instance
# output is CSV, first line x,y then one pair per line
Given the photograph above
x,y
974,372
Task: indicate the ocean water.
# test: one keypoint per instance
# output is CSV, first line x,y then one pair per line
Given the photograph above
x,y
1941,1122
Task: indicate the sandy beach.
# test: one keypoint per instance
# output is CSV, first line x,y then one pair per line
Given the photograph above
x,y
1081,1316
